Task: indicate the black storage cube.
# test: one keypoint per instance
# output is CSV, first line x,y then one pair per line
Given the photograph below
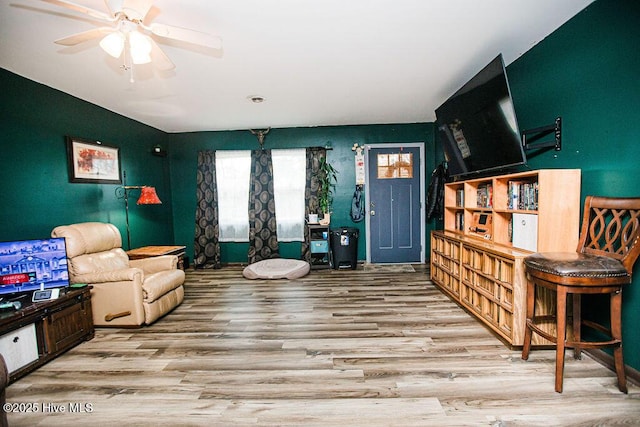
x,y
344,248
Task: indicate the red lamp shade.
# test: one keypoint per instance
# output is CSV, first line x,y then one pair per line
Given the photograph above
x,y
148,196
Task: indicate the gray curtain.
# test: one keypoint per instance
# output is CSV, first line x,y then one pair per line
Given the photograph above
x,y
314,154
206,243
263,238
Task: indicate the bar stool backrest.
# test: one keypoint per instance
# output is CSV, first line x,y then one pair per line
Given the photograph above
x,y
611,227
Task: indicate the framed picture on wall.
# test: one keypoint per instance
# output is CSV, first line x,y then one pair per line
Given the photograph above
x,y
93,161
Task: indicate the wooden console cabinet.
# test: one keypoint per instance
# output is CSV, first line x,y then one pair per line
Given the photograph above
x,y
490,226
39,332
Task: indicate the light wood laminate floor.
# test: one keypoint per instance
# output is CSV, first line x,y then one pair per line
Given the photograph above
x,y
335,348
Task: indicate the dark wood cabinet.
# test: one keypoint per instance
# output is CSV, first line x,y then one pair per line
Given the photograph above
x,y
39,332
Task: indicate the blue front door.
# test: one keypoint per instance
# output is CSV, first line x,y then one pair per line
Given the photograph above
x,y
394,205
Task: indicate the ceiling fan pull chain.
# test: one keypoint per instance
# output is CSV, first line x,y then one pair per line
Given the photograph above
x,y
127,62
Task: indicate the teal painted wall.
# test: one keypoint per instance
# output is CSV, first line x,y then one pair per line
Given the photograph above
x,y
37,194
587,73
185,147
34,165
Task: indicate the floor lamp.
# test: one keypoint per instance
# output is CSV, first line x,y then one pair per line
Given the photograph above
x,y
148,196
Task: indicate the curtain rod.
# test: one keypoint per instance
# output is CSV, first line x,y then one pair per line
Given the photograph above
x,y
328,148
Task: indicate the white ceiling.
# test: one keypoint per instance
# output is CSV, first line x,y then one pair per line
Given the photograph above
x,y
316,62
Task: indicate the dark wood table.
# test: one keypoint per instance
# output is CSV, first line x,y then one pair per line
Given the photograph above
x,y
151,251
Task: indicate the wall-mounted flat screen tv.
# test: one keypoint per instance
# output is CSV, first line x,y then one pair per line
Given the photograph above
x,y
28,265
477,125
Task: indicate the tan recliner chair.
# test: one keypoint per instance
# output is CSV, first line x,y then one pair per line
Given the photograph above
x,y
125,292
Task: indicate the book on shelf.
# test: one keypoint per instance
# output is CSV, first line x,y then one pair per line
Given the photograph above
x,y
510,230
460,197
522,195
484,196
460,221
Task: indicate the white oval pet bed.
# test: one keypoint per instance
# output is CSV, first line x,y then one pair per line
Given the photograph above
x,y
276,268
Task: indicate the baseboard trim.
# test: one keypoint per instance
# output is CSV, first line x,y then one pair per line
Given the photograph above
x,y
606,359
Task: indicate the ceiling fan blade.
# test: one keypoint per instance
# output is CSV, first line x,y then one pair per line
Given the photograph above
x,y
83,9
159,59
84,36
185,35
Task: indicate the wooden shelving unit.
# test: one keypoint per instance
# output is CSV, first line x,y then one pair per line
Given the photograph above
x,y
478,258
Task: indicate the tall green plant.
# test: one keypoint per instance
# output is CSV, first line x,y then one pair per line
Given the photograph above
x,y
327,178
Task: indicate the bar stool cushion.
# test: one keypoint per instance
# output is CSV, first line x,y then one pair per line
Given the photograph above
x,y
573,264
277,268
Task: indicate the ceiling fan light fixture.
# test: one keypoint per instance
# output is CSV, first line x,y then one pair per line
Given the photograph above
x,y
140,48
113,44
127,36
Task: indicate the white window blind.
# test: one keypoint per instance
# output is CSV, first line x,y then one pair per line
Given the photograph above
x,y
233,172
289,177
232,177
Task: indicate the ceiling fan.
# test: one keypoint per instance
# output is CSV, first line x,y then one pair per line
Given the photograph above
x,y
128,36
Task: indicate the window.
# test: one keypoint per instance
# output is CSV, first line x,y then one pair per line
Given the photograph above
x,y
289,176
233,172
232,178
399,165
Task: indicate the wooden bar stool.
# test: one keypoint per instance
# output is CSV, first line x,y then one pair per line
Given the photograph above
x,y
603,262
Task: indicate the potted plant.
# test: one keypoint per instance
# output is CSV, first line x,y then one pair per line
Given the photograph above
x,y
327,177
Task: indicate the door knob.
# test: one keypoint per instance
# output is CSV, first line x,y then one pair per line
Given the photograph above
x,y
373,213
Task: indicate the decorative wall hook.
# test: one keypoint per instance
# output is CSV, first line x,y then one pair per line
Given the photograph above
x,y
357,148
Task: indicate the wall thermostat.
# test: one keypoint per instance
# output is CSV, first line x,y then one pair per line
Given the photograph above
x,y
45,295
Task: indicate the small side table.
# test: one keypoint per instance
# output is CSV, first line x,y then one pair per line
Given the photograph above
x,y
151,251
319,246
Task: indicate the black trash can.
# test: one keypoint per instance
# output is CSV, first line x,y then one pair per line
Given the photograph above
x,y
344,248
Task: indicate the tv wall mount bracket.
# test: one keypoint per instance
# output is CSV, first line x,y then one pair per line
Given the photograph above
x,y
531,142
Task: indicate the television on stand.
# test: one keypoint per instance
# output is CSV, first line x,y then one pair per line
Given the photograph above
x,y
32,265
477,125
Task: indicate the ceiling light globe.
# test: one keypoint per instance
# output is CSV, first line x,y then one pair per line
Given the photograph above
x,y
113,44
140,46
